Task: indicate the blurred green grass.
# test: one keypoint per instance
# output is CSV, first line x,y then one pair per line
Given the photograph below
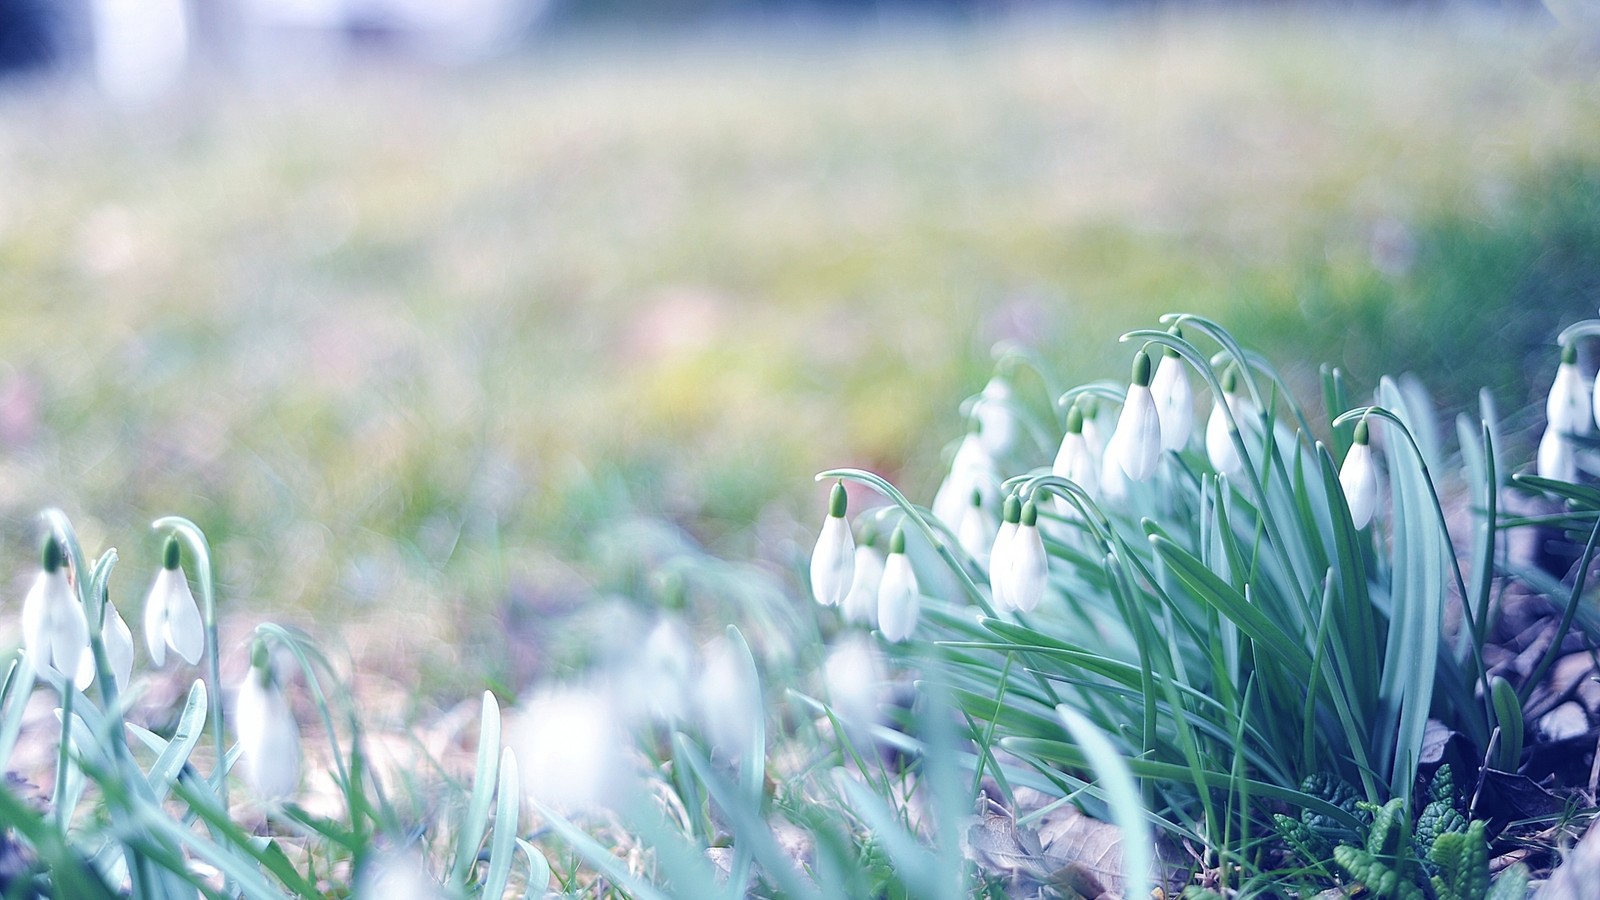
x,y
402,341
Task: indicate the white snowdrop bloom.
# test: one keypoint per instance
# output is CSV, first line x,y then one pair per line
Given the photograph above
x,y
834,558
997,422
1075,461
976,531
55,632
1000,555
972,469
665,672
1113,481
171,617
1136,443
1557,459
568,743
1359,478
1174,399
899,596
854,677
1029,574
118,641
1568,408
860,606
269,738
1093,434
728,697
396,874
1220,449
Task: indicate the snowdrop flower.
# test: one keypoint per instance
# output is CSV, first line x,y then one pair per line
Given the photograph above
x,y
1075,461
269,739
899,597
1568,407
729,699
1093,434
976,532
1359,479
1174,398
665,672
1028,575
396,874
854,676
1558,459
972,469
860,606
171,617
997,424
118,641
1000,555
1220,449
55,632
834,558
1136,443
568,744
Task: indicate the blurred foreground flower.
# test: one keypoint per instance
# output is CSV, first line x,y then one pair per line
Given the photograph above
x,y
833,559
171,616
899,597
728,697
396,875
269,739
55,633
568,744
854,677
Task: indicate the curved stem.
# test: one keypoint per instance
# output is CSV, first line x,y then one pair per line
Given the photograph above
x,y
200,549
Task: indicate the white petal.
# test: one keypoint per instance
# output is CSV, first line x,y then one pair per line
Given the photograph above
x,y
854,676
729,699
899,599
1360,482
186,633
972,469
69,641
998,425
118,640
269,739
1568,406
976,534
1220,450
1556,457
36,615
1000,564
1076,463
155,616
833,561
1029,574
568,747
1137,440
861,604
1174,400
1113,481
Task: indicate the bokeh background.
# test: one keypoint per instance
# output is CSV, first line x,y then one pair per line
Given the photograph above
x,y
450,323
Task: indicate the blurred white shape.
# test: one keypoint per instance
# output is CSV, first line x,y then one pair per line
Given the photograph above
x,y
269,737
396,875
729,699
140,47
665,671
854,676
860,606
568,741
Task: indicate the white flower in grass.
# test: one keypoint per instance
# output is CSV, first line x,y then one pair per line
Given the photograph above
x,y
1174,398
1136,444
396,874
665,672
854,677
860,606
568,742
976,532
1359,478
55,632
269,738
171,617
1093,434
1000,555
1076,461
1029,574
997,423
1568,408
899,596
118,641
1558,459
729,699
833,560
972,469
1220,448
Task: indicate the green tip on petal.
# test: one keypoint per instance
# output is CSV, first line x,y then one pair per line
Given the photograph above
x,y
1177,332
1075,420
170,553
1569,353
1141,369
51,554
838,501
897,544
260,663
1090,405
1230,379
977,497
1361,431
1012,511
1030,514
869,533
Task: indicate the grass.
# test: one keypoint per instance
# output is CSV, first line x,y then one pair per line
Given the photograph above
x,y
403,344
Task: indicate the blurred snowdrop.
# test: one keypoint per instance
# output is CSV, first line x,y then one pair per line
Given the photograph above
x,y
1136,442
1174,399
662,678
269,738
972,469
833,558
729,699
997,422
569,742
171,617
1359,478
1027,574
860,606
1220,448
1093,432
396,875
118,641
854,677
1075,461
1557,458
976,532
1000,553
899,596
1568,408
55,632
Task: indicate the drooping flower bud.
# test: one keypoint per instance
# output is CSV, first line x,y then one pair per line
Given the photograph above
x,y
1075,461
55,632
834,558
899,596
1359,479
1136,443
1174,398
1000,555
997,421
971,469
171,616
269,738
860,606
1029,574
1568,408
976,532
1220,448
118,641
